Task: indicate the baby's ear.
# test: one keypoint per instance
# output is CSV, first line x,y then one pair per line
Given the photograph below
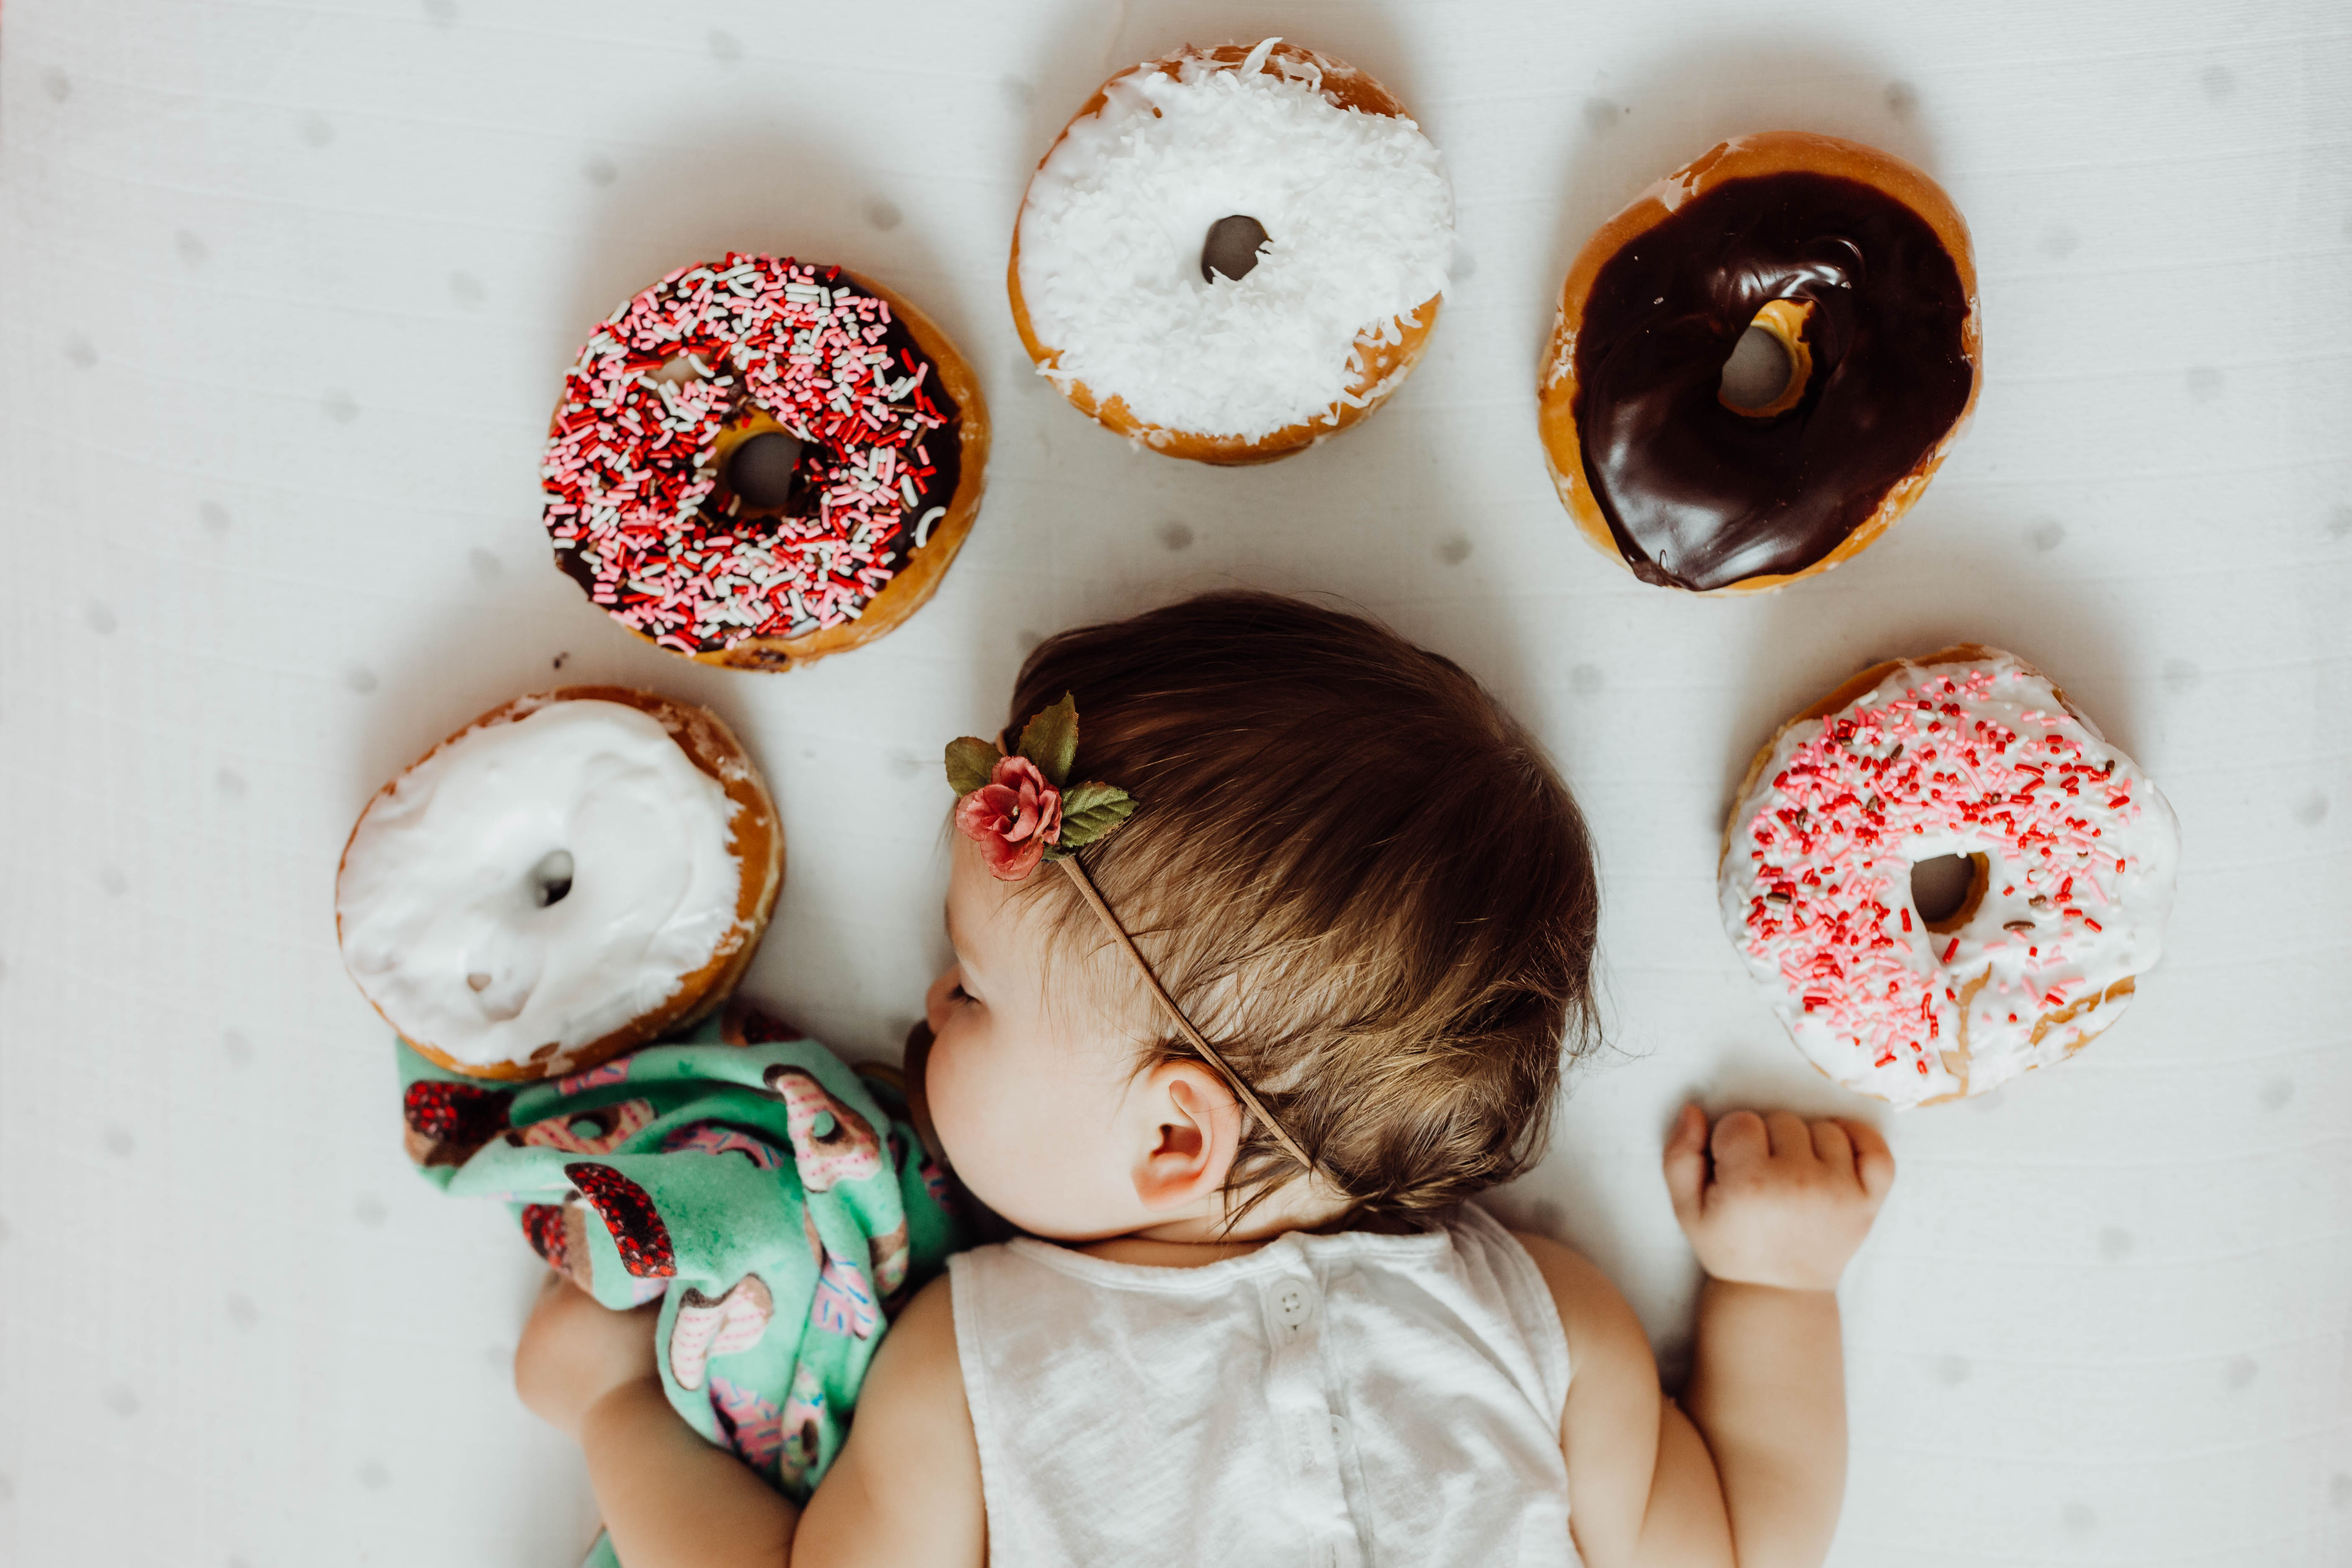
x,y
1190,1130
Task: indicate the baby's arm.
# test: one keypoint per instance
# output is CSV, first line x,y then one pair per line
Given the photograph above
x,y
1753,1473
905,1489
667,1496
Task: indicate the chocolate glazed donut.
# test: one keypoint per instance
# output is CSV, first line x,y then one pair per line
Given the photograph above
x,y
1856,264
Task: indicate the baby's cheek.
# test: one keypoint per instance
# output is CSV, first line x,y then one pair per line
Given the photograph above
x,y
943,1087
999,1140
960,1110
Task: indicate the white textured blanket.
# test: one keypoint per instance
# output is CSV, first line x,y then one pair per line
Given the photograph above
x,y
286,290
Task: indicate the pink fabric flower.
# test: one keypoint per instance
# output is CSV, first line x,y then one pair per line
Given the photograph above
x,y
1015,815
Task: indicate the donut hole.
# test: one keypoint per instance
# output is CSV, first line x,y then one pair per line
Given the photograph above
x,y
682,369
761,468
1231,248
1947,889
1770,364
1757,371
550,883
825,1129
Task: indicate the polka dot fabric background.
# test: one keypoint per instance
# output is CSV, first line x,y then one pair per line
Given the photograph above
x,y
287,291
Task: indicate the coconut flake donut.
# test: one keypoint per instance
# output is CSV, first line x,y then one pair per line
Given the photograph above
x,y
1229,254
1841,272
2070,855
568,877
758,461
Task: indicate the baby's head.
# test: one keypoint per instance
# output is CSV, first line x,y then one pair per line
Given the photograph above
x,y
1359,879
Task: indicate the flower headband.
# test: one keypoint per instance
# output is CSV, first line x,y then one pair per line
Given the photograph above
x,y
1021,810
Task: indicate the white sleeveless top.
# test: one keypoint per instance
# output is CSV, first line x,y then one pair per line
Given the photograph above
x,y
1324,1402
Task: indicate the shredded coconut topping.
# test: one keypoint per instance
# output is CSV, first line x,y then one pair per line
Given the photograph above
x,y
1356,207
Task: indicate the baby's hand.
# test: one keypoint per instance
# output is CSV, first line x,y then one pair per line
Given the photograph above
x,y
1786,1202
575,1351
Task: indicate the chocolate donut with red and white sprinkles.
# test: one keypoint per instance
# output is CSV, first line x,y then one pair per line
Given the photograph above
x,y
758,461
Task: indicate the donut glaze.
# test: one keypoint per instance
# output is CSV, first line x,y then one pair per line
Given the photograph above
x,y
1139,285
1859,264
1968,751
794,557
559,881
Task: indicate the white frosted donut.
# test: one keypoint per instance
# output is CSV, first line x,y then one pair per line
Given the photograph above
x,y
562,879
1967,752
1111,282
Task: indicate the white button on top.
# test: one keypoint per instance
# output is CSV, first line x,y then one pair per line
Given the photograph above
x,y
1294,1302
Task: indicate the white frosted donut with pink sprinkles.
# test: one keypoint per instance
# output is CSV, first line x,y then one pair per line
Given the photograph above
x,y
2072,854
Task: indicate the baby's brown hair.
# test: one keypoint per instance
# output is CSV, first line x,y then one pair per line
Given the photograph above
x,y
1362,879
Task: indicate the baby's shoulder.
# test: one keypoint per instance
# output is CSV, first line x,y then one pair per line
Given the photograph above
x,y
924,1330
916,1371
1604,1337
907,1486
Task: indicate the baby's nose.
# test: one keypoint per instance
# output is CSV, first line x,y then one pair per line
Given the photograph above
x,y
936,1000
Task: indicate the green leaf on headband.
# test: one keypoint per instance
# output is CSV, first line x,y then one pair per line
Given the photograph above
x,y
1050,739
1089,811
969,762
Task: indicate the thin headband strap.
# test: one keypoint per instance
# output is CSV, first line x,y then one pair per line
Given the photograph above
x,y
1233,1081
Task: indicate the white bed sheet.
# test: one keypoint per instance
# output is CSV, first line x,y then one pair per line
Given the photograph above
x,y
286,291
